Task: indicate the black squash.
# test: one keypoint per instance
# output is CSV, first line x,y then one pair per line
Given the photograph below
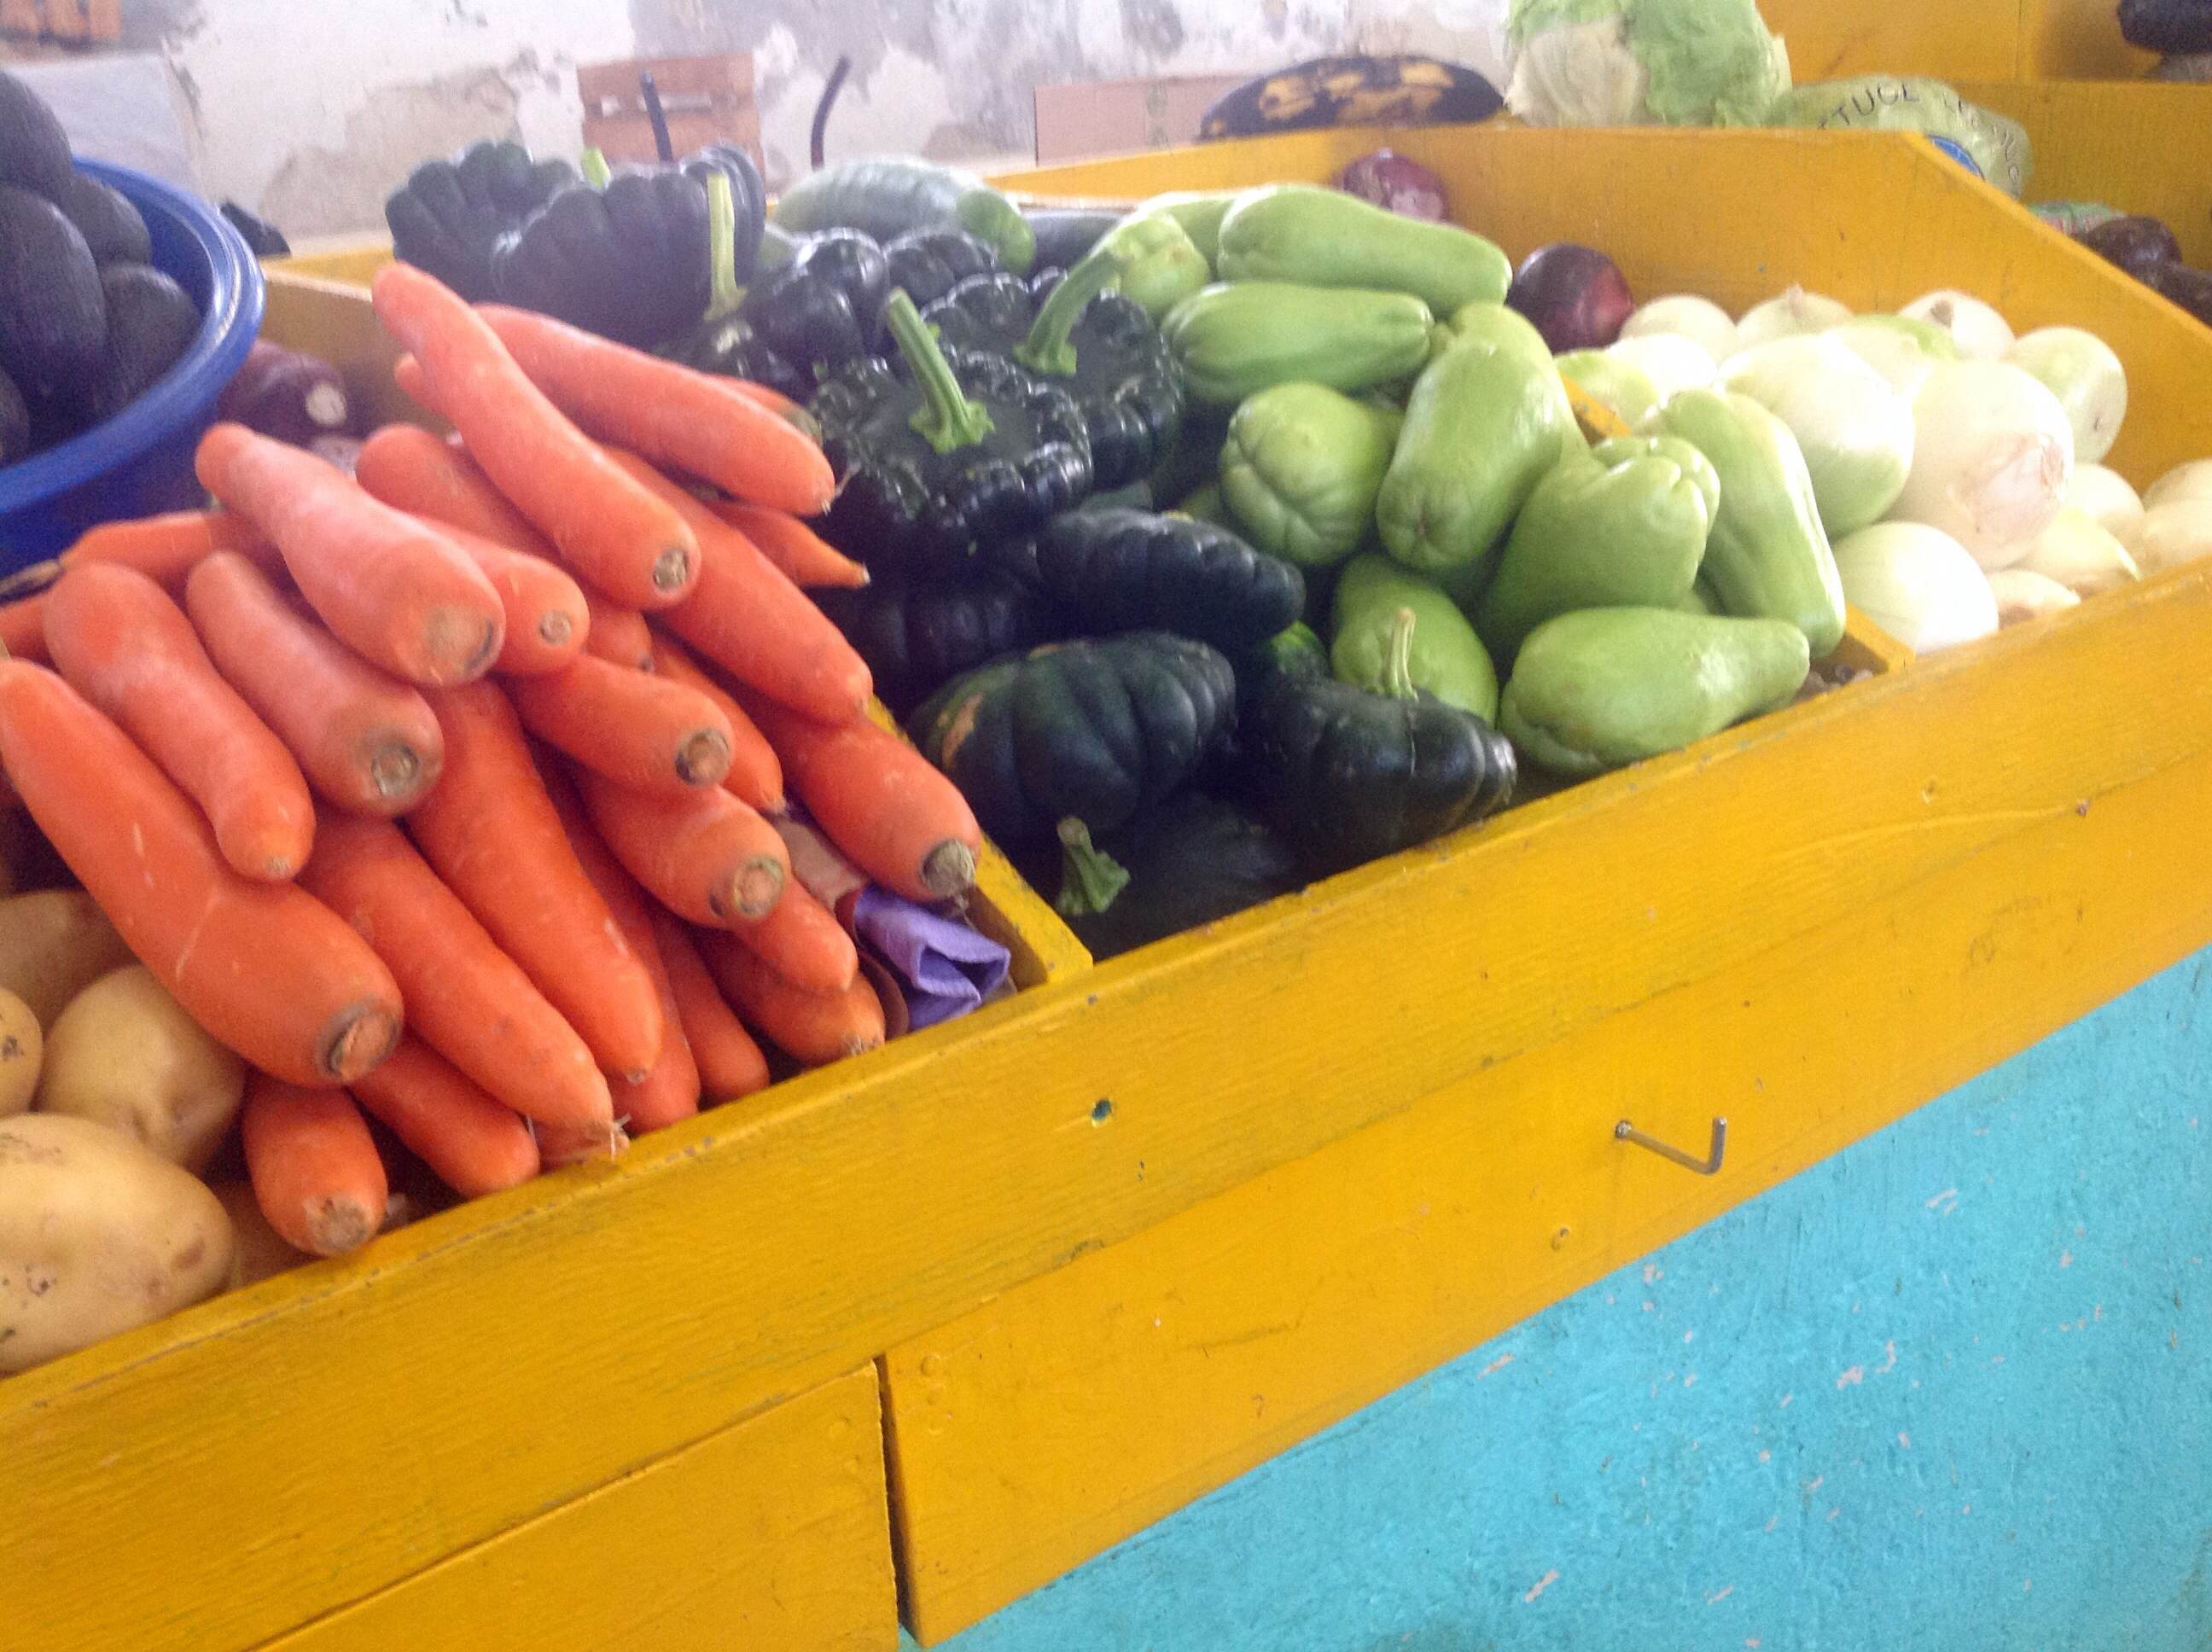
x,y
1125,570
916,638
1195,859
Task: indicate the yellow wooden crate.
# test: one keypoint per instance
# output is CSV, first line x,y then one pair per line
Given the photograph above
x,y
1956,40
1810,925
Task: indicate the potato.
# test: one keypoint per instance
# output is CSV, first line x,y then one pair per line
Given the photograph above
x,y
126,1055
97,1235
22,1045
262,1253
53,944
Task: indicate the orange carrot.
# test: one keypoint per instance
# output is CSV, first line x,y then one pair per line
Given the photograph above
x,y
547,619
672,414
798,553
802,942
646,732
398,593
471,1142
606,528
164,548
365,740
265,968
881,801
792,413
124,646
493,834
755,776
23,629
413,471
317,1174
755,623
559,1145
670,1093
465,998
704,855
415,384
814,1028
730,1063
618,635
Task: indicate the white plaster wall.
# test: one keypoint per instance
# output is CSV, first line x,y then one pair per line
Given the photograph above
x,y
311,113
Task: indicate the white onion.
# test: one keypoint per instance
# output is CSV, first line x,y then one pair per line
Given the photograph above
x,y
2191,481
2104,496
2078,553
1789,315
2079,369
2179,531
1672,362
1918,584
1903,352
1993,453
1981,333
1697,319
2023,594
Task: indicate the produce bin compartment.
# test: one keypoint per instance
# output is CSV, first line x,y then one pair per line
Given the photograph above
x,y
1810,925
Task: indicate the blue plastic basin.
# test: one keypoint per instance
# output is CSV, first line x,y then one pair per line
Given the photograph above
x,y
141,460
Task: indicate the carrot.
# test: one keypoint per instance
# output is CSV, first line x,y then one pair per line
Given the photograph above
x,y
559,1145
801,941
413,384
814,1028
495,838
670,1092
23,629
464,997
650,732
317,1174
755,775
547,619
399,594
703,855
365,740
124,646
606,528
265,968
165,549
798,553
618,635
755,623
670,413
472,1144
792,413
411,470
730,1063
878,799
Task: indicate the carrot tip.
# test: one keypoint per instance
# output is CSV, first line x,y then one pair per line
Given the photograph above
x,y
703,758
948,868
671,569
553,627
364,1038
395,770
338,1224
754,891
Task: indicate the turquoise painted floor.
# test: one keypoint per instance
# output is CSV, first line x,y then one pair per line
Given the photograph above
x,y
1950,1390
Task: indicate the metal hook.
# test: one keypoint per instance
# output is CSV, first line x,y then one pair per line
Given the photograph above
x,y
1708,1165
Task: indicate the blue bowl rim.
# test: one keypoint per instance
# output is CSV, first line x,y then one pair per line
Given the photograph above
x,y
236,296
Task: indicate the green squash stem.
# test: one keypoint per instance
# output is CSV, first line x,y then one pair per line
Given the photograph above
x,y
1090,878
594,168
947,419
1398,662
723,247
1046,349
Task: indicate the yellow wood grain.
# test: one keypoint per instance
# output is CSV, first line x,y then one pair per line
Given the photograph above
x,y
1831,40
770,1534
1069,1414
223,1478
2141,146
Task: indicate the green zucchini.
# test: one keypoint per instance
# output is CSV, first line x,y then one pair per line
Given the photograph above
x,y
890,195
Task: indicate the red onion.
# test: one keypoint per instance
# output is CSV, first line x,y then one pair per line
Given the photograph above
x,y
1576,296
1389,179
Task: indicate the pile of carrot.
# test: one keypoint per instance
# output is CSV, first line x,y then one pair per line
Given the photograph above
x,y
448,794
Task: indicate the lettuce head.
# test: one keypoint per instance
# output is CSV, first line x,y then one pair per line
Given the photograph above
x,y
1635,62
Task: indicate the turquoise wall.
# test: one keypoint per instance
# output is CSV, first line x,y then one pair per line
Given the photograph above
x,y
1951,1390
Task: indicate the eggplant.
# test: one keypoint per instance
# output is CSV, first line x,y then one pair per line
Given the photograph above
x,y
111,226
34,151
150,323
1126,570
1195,859
53,318
14,422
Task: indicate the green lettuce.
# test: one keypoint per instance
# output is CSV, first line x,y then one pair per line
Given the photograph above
x,y
1624,63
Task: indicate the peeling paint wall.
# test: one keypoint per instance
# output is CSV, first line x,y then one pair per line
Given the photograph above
x,y
310,114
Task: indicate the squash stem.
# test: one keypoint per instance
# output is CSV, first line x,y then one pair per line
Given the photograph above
x,y
1398,659
1090,878
723,247
947,419
594,165
1047,349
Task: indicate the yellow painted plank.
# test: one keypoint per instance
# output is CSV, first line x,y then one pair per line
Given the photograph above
x,y
2140,146
1830,39
220,1478
1068,1414
770,1534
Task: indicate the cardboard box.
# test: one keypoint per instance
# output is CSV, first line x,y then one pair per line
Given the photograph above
x,y
1075,122
707,99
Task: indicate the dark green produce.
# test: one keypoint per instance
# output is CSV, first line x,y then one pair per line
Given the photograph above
x,y
927,264
151,321
724,342
964,448
263,239
818,311
449,216
1065,234
34,151
2173,27
916,638
630,262
53,319
1194,860
890,195
1127,570
1350,776
111,226
748,200
992,312
14,422
1093,732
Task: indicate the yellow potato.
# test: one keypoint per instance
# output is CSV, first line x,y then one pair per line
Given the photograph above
x,y
22,1045
126,1055
53,944
261,1252
97,1235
